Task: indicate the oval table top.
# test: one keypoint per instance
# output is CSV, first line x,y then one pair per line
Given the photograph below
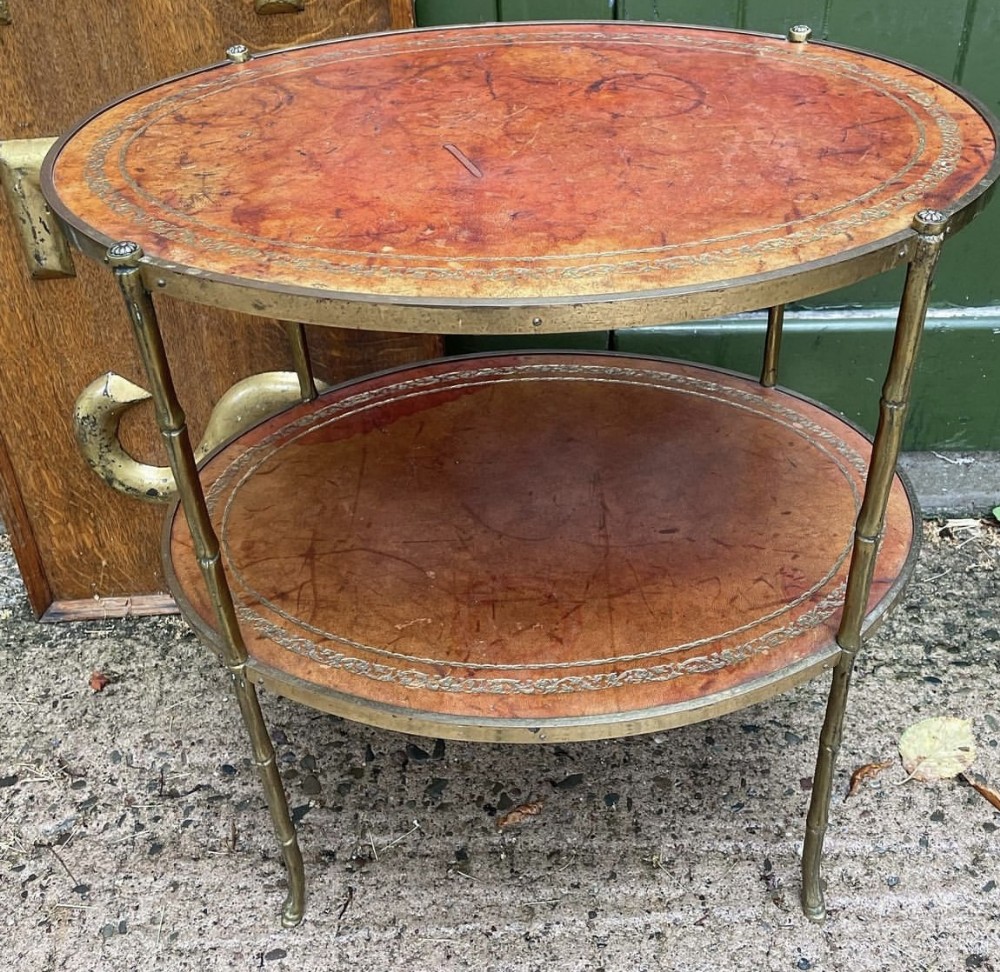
x,y
529,165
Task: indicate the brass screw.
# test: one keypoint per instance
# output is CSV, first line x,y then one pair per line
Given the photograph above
x,y
238,53
799,34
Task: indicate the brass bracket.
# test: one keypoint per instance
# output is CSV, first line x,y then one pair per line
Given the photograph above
x,y
102,403
5,17
277,6
45,247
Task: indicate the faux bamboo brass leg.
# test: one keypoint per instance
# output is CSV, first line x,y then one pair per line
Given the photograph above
x,y
125,257
300,357
929,225
772,346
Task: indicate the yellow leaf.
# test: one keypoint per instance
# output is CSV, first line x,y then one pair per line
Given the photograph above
x,y
938,748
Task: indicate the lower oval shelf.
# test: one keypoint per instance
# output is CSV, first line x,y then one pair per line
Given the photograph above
x,y
538,547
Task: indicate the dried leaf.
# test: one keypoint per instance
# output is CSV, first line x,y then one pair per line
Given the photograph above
x,y
99,681
864,773
983,788
938,748
519,814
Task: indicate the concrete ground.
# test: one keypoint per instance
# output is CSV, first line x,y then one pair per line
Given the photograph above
x,y
133,833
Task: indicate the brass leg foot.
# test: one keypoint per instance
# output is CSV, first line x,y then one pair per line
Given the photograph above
x,y
813,905
292,910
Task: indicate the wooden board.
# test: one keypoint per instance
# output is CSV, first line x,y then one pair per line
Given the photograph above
x,y
75,540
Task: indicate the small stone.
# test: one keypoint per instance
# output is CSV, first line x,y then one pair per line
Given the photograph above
x,y
310,786
299,812
803,963
892,880
611,800
309,764
123,927
275,954
109,931
574,779
227,769
8,780
417,754
937,816
989,886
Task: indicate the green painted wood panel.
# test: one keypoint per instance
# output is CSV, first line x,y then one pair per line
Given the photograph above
x,y
954,403
711,13
980,61
970,276
432,13
923,32
556,10
776,16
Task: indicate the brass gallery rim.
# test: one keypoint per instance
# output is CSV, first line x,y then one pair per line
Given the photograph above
x,y
455,538
680,159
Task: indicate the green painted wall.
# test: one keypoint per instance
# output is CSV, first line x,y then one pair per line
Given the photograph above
x,y
956,39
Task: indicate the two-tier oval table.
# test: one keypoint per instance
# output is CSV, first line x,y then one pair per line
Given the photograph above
x,y
533,546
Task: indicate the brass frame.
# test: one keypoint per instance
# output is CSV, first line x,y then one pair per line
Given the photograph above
x,y
139,277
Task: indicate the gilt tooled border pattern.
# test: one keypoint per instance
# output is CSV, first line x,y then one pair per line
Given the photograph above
x,y
535,268
561,685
